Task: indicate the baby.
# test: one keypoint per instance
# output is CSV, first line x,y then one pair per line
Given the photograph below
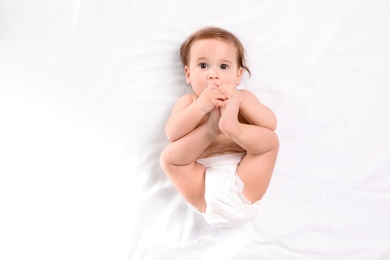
x,y
223,147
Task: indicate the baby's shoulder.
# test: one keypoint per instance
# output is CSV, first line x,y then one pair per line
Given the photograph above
x,y
245,92
188,98
184,101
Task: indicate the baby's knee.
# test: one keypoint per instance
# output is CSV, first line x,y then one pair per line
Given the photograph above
x,y
275,142
165,159
168,161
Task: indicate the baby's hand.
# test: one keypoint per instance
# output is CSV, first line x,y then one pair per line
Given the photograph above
x,y
230,91
210,98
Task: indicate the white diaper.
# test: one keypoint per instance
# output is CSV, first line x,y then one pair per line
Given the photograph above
x,y
226,205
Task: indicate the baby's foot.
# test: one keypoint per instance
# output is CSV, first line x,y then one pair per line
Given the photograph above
x,y
229,120
213,121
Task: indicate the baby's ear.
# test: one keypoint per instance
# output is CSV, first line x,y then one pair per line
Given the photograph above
x,y
187,72
239,76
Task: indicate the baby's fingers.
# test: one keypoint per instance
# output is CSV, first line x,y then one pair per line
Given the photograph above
x,y
218,103
218,95
212,86
222,89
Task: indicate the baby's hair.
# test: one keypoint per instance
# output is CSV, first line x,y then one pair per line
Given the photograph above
x,y
214,33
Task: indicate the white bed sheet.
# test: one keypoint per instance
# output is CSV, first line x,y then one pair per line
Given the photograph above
x,y
86,87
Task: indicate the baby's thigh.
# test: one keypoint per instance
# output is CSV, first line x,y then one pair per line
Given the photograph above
x,y
189,180
255,171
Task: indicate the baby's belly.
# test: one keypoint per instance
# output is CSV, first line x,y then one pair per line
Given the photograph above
x,y
221,145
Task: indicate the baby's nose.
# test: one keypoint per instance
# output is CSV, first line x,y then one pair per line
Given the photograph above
x,y
213,75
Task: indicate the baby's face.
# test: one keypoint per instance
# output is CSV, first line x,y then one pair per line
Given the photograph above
x,y
212,61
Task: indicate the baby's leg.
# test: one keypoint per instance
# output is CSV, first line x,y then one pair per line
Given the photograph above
x,y
189,180
178,161
262,147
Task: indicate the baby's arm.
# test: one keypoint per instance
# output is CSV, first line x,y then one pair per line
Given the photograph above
x,y
187,114
184,118
255,112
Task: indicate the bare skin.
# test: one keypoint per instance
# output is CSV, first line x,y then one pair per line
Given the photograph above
x,y
218,119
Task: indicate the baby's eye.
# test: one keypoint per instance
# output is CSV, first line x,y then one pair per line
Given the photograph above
x,y
203,65
224,66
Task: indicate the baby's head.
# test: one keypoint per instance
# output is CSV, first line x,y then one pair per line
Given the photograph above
x,y
214,33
